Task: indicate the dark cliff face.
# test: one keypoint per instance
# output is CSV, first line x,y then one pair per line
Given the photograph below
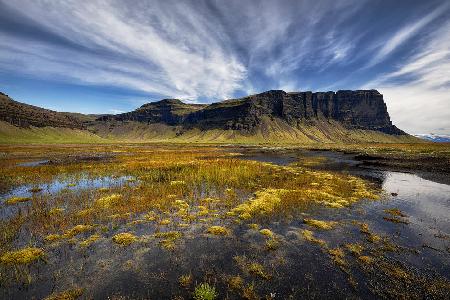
x,y
354,109
362,109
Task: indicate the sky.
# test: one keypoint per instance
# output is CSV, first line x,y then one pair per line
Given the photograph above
x,y
101,56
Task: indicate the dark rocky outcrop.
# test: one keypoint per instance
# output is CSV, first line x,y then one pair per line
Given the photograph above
x,y
361,109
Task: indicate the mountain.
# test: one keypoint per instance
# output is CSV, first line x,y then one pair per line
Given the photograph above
x,y
438,138
25,115
272,116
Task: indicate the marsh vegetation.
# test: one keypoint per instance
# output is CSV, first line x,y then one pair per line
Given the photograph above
x,y
204,222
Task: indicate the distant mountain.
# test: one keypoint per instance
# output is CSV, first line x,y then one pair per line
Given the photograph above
x,y
272,116
438,138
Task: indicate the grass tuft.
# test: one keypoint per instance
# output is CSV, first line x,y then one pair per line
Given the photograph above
x,y
218,230
23,256
204,291
15,200
325,225
124,239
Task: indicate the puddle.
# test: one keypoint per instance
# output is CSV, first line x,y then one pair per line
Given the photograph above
x,y
33,163
273,158
57,185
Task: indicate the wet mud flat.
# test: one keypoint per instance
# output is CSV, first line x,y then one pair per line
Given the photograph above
x,y
161,223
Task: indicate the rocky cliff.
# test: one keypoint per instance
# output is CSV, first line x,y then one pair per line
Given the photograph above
x,y
361,109
270,117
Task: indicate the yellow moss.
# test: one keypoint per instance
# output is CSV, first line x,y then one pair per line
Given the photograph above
x,y
258,270
52,238
177,183
309,236
108,201
333,204
23,256
254,226
150,216
249,292
165,222
185,280
202,210
325,225
87,242
366,259
124,238
272,244
77,230
84,212
395,212
396,272
338,256
56,211
173,235
168,244
230,193
181,204
14,200
236,282
364,228
264,203
373,238
71,294
355,249
266,232
218,230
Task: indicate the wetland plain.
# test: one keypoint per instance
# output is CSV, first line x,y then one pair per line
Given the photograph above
x,y
167,221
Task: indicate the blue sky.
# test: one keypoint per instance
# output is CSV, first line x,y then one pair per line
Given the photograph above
x,y
113,56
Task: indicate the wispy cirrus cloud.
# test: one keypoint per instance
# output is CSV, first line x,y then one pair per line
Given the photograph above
x,y
155,51
405,33
417,92
208,50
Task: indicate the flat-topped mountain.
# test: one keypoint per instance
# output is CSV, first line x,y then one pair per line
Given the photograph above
x,y
353,109
272,116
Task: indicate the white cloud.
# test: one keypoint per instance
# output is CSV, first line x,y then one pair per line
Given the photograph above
x,y
115,111
405,33
421,105
179,59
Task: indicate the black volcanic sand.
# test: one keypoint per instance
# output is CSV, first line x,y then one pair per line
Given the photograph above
x,y
408,259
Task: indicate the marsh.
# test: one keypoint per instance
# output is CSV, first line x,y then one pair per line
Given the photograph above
x,y
172,222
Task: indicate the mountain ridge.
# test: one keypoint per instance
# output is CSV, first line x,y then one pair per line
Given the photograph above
x,y
271,116
360,109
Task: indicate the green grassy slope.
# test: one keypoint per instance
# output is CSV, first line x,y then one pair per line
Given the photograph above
x,y
271,131
10,134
